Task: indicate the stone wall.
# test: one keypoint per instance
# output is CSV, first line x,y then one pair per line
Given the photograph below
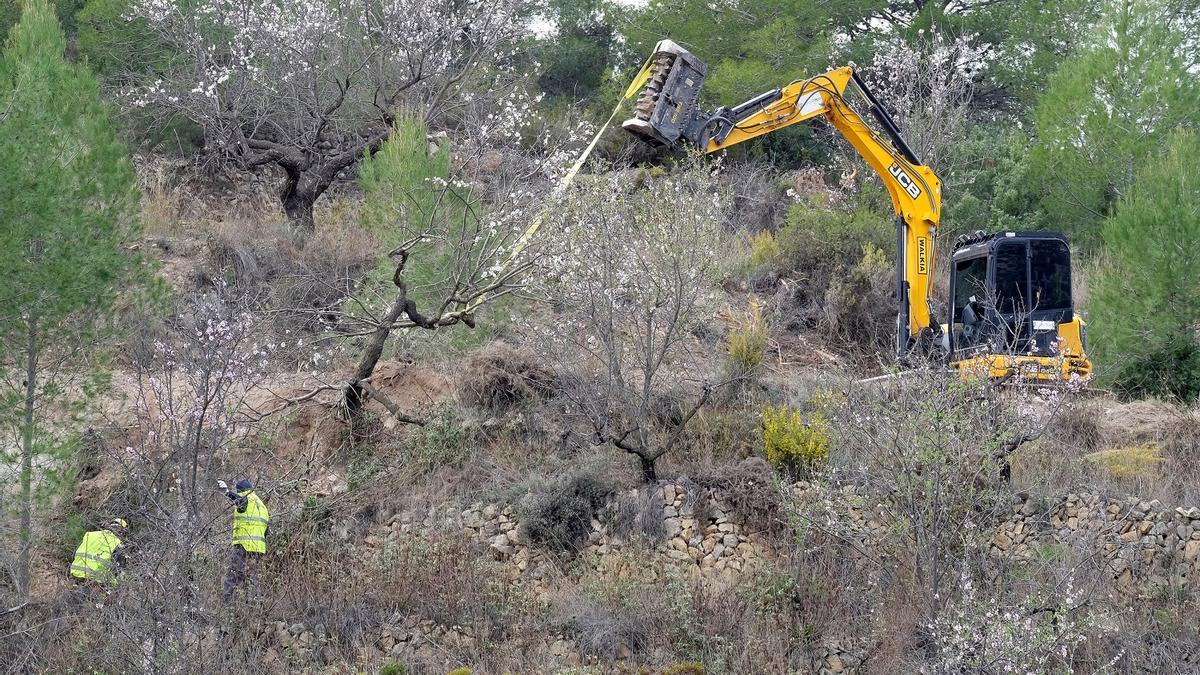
x,y
710,542
700,538
1145,546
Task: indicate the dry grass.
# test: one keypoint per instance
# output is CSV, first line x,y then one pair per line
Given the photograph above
x,y
248,243
1146,448
178,201
1128,463
499,377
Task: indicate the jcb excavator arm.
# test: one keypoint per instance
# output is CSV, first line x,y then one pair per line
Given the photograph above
x,y
666,113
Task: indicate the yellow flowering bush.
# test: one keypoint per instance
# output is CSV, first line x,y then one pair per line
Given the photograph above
x,y
792,444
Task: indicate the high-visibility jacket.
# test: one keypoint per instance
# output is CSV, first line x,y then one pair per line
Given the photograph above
x,y
250,526
93,558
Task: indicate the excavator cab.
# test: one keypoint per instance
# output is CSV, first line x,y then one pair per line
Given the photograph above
x,y
1011,311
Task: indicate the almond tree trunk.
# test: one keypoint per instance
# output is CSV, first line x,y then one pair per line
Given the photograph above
x,y
355,395
298,197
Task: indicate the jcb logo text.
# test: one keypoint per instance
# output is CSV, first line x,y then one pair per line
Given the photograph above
x,y
910,186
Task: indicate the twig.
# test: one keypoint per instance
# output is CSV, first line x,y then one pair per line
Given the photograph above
x,y
18,608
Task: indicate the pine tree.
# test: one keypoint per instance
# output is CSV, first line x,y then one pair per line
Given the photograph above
x,y
67,208
1108,108
1146,305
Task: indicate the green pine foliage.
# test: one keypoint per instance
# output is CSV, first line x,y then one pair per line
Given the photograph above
x,y
997,191
68,205
576,57
759,45
1146,304
69,185
407,193
10,13
1108,108
113,44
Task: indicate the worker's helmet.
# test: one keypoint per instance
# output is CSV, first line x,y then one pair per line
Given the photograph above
x,y
244,484
117,524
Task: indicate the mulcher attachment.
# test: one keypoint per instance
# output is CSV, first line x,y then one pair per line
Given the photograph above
x,y
666,109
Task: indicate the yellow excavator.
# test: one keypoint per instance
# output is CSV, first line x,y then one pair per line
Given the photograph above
x,y
1011,309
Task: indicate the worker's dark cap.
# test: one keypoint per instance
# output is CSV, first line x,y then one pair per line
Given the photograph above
x,y
244,484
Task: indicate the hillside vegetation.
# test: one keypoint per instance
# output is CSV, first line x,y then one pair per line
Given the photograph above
x,y
645,421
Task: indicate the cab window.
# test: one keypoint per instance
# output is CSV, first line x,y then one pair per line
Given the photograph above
x,y
1050,272
1012,277
970,284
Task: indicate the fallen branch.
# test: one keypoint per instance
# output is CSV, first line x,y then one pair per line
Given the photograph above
x,y
18,608
389,404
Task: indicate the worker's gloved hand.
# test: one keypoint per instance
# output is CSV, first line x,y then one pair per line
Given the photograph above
x,y
223,485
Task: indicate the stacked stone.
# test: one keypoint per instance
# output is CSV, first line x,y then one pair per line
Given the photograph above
x,y
296,644
844,512
1146,546
712,541
408,639
836,660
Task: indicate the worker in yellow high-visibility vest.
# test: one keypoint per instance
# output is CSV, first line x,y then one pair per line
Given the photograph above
x,y
98,554
250,521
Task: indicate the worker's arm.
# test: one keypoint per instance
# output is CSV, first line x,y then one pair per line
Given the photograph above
x,y
239,502
914,189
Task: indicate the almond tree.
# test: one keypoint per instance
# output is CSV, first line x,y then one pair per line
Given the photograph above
x,y
631,280
456,232
927,84
191,417
311,86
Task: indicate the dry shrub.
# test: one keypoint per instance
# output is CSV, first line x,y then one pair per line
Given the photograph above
x,y
439,577
821,247
164,198
747,342
303,277
498,378
324,271
559,516
1077,425
661,615
1181,447
1136,422
1147,448
718,436
859,313
751,490
636,514
181,199
1046,467
605,634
